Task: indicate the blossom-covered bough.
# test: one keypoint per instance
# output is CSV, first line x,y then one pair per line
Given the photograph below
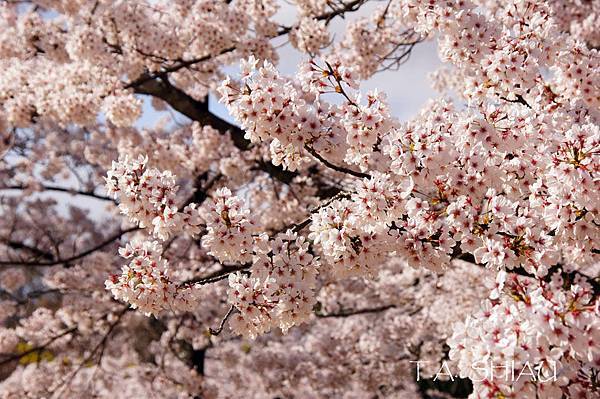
x,y
313,244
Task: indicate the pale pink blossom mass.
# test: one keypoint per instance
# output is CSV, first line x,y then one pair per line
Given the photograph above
x,y
181,217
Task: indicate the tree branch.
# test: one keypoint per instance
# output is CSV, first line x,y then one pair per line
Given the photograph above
x,y
336,167
62,190
216,276
36,251
222,324
353,312
70,259
197,111
37,348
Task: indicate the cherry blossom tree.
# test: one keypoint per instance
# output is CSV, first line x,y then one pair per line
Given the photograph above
x,y
311,244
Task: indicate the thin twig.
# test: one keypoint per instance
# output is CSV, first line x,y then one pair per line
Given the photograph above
x,y
37,348
62,190
222,324
70,259
336,167
347,313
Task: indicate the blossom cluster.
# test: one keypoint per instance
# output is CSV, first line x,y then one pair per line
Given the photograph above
x,y
148,197
408,314
229,228
145,282
280,289
542,337
187,151
350,250
291,115
310,36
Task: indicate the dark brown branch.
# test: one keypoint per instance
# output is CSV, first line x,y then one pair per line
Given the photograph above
x,y
353,312
393,61
201,191
219,275
101,346
336,167
299,226
145,78
277,172
192,108
37,348
224,273
222,324
518,99
70,259
36,294
199,195
63,190
41,254
197,111
157,85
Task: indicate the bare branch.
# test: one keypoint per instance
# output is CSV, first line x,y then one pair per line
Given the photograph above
x,y
222,324
73,258
353,312
39,253
336,167
37,348
63,190
219,275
